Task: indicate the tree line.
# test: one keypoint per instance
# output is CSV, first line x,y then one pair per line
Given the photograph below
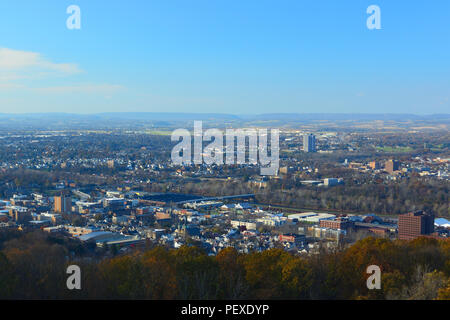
x,y
33,266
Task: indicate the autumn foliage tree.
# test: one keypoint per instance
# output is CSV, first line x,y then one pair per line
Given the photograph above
x,y
33,266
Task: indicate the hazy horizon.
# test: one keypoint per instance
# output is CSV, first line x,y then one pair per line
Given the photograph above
x,y
230,114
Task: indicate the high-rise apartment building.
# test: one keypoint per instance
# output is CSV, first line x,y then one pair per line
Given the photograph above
x,y
392,165
309,143
111,164
374,165
415,224
63,204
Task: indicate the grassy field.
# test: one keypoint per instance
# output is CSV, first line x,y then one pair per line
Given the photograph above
x,y
159,132
395,149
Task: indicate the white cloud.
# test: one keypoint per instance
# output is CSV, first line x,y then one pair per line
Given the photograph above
x,y
82,88
17,66
9,86
16,60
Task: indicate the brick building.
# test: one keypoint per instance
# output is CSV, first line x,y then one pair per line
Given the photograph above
x,y
415,224
336,224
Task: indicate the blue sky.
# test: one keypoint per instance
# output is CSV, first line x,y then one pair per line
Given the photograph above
x,y
246,56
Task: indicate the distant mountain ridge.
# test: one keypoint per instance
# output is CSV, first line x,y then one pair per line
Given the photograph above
x,y
168,116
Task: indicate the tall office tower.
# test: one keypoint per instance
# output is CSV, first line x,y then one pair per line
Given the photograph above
x,y
63,204
309,143
392,165
111,164
414,224
375,165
